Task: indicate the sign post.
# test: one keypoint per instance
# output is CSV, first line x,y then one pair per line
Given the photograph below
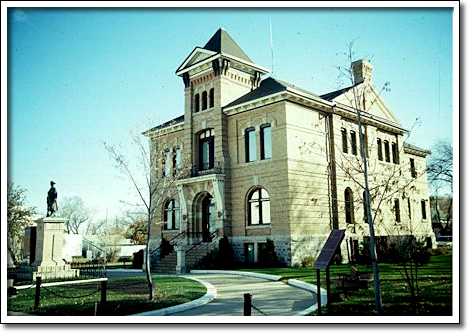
x,y
323,262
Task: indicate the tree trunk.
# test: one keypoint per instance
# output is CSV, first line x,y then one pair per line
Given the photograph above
x,y
148,259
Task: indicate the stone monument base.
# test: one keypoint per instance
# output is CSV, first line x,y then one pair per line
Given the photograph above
x,y
55,272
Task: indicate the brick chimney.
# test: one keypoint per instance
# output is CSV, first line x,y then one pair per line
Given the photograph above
x,y
362,71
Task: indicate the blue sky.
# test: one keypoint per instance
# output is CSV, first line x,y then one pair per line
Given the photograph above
x,y
78,77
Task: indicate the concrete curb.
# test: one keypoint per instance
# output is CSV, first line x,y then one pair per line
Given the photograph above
x,y
312,288
292,282
210,295
242,273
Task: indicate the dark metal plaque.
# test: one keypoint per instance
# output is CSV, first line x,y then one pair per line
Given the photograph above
x,y
329,249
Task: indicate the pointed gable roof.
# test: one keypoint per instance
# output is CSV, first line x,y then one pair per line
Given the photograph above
x,y
221,42
220,45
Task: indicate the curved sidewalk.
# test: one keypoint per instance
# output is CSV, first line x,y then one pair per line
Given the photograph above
x,y
269,296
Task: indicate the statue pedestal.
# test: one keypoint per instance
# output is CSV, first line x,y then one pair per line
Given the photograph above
x,y
48,262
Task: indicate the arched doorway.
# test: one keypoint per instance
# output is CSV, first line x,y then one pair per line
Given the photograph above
x,y
207,217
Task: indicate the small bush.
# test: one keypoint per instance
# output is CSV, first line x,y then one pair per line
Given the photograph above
x,y
267,257
307,261
440,251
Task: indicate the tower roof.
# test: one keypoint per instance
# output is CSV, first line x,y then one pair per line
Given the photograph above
x,y
221,42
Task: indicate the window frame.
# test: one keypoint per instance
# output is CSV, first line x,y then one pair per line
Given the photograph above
x,y
248,151
264,142
206,136
395,156
211,98
396,206
197,103
413,168
172,207
261,204
344,140
387,151
379,149
423,209
353,138
349,206
204,100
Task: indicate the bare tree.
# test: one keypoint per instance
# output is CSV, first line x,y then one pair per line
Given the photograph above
x,y
440,175
379,183
18,217
93,227
77,214
153,189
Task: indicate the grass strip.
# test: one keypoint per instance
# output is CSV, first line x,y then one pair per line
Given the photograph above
x,y
125,296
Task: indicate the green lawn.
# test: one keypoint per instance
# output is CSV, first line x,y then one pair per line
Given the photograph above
x,y
124,297
435,283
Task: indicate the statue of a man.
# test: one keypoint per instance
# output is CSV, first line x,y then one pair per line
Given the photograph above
x,y
51,200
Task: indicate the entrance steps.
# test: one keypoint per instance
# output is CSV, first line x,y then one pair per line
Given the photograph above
x,y
193,255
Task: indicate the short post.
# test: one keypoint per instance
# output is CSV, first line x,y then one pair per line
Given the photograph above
x,y
38,293
103,294
247,304
319,295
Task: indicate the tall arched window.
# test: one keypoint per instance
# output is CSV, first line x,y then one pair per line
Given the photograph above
x,y
258,207
204,100
211,97
349,206
206,150
197,103
171,214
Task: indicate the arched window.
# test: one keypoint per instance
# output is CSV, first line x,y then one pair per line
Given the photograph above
x,y
258,207
265,141
349,206
197,103
171,214
204,100
250,145
211,97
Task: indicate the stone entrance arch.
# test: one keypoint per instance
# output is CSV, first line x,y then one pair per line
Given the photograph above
x,y
203,222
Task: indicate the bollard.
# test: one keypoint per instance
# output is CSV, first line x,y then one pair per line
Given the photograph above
x,y
38,293
103,295
247,304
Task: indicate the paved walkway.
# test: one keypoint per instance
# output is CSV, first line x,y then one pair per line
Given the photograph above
x,y
273,298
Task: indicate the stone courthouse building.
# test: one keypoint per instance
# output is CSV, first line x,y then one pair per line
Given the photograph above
x,y
255,158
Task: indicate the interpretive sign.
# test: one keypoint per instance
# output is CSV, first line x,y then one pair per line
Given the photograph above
x,y
329,249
